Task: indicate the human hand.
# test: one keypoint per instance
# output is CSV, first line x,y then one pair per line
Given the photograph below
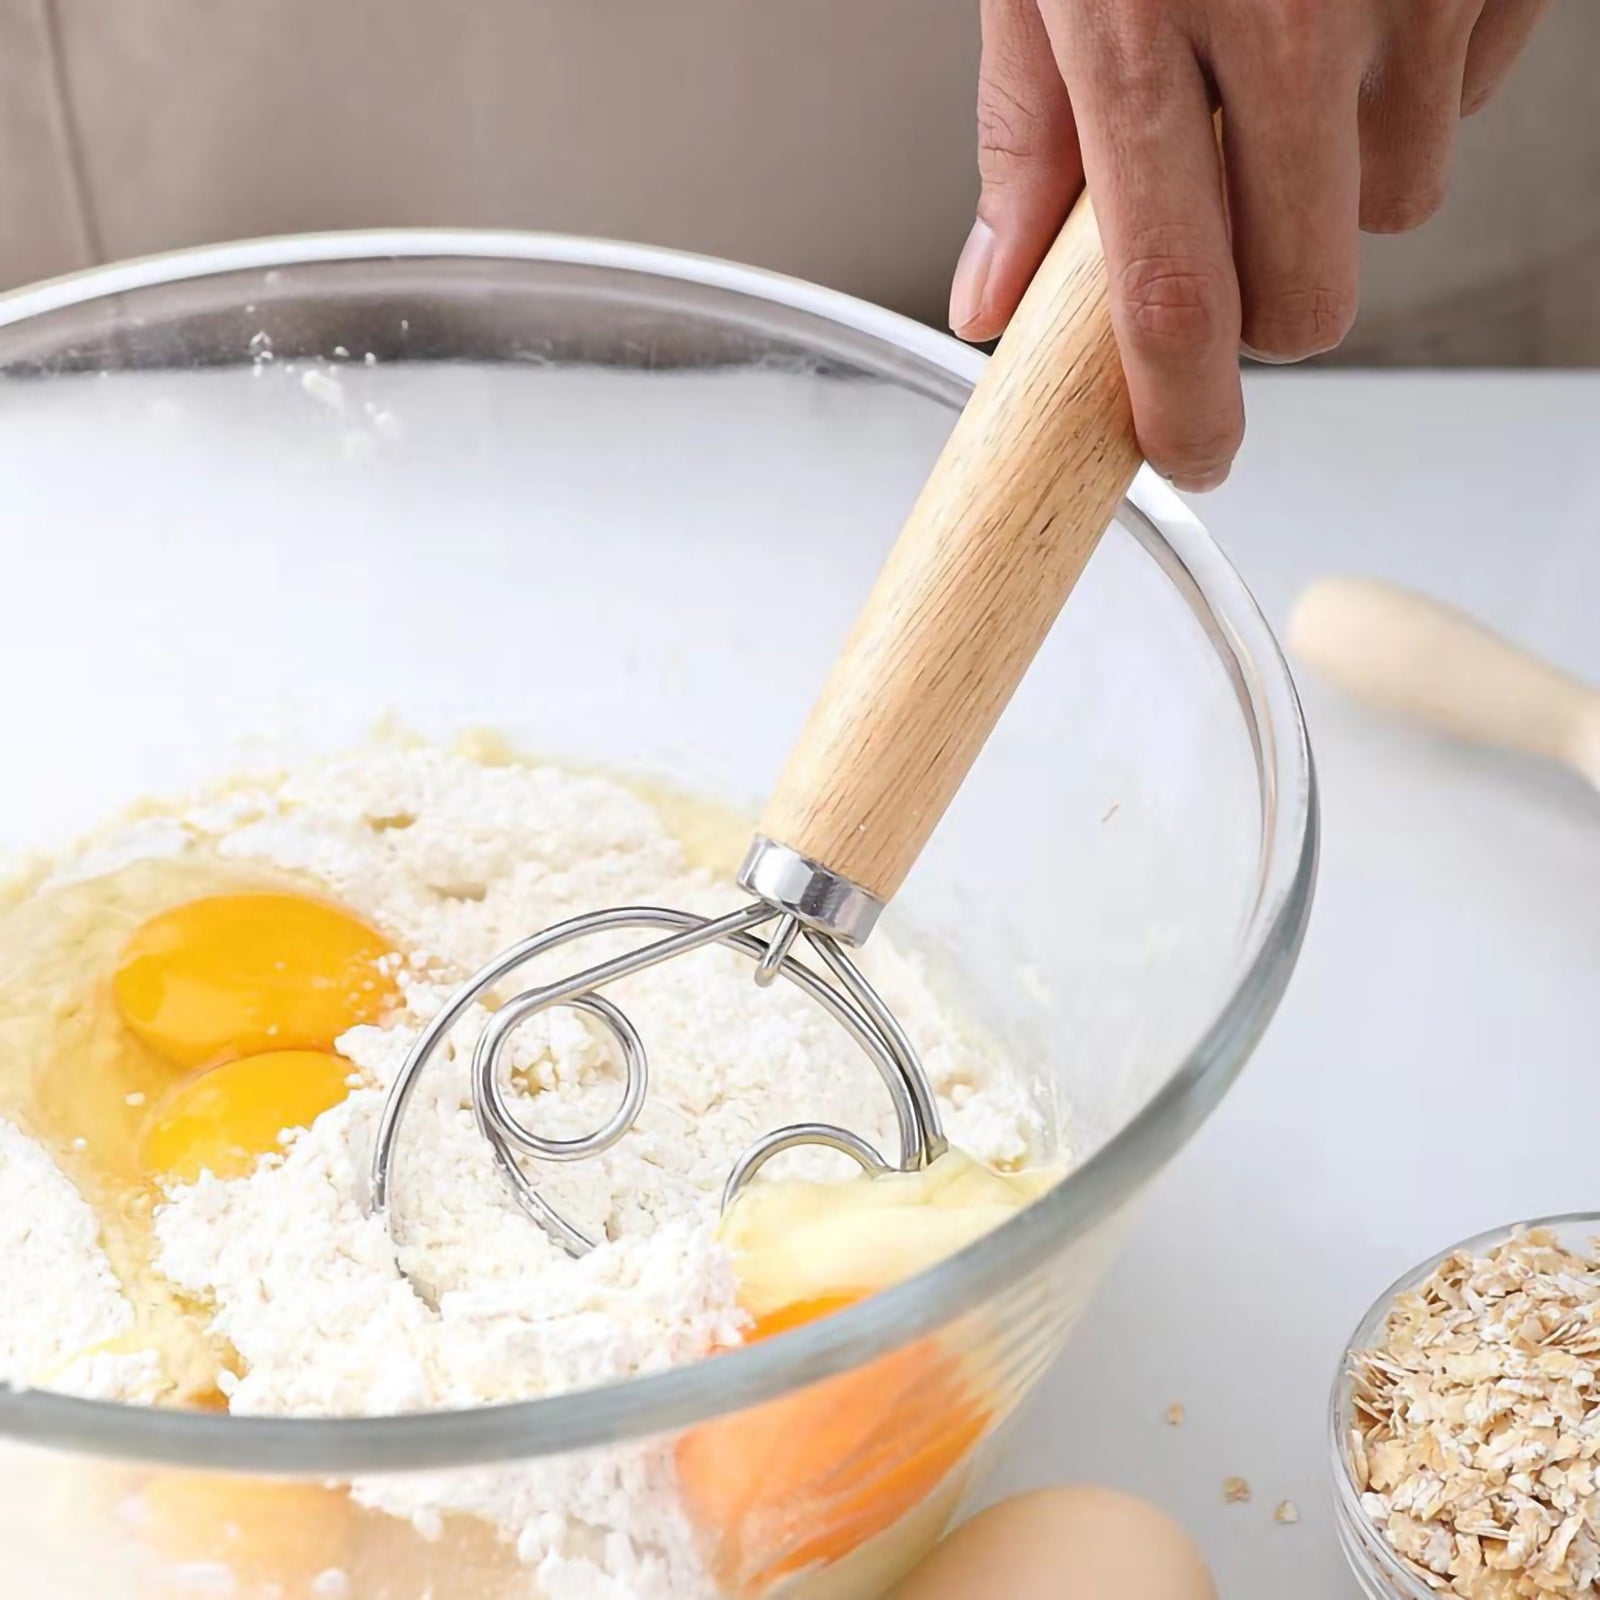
x,y
1337,116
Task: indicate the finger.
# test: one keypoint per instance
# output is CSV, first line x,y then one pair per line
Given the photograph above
x,y
1293,166
1497,40
1150,152
1028,161
1410,111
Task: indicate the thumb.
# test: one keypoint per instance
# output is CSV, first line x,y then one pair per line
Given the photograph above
x,y
1029,163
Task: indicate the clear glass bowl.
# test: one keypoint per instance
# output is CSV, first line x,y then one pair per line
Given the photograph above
x,y
621,505
1381,1574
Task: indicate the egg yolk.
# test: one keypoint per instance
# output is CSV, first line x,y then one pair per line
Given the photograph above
x,y
268,1536
223,1121
806,1479
241,974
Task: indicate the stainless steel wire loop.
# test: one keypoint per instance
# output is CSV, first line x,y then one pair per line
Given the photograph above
x,y
842,990
796,1134
488,1093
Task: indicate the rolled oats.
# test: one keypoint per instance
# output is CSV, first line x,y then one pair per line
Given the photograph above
x,y
1476,1446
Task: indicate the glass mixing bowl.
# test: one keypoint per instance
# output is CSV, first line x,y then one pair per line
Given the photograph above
x,y
620,505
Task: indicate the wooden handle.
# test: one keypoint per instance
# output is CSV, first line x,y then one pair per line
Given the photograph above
x,y
1420,659
1027,483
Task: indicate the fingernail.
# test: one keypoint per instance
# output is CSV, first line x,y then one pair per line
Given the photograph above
x,y
972,277
1267,360
1202,483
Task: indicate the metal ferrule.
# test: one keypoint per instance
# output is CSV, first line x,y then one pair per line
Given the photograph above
x,y
805,889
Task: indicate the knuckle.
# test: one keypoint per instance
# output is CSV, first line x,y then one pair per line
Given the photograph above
x,y
1440,21
1291,324
1133,55
1007,126
1315,49
1298,38
1009,138
1017,134
1427,16
1172,295
1130,76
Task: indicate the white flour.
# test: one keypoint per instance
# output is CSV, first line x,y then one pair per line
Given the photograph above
x,y
456,860
59,1301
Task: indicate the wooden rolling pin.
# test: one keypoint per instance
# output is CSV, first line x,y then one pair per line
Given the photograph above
x,y
1422,660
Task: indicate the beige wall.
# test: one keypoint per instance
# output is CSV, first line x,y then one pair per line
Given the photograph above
x,y
830,138
1510,270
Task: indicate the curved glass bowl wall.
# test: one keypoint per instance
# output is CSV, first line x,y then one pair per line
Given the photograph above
x,y
621,506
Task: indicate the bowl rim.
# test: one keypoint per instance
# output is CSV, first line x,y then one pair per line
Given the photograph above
x,y
1370,1555
663,1402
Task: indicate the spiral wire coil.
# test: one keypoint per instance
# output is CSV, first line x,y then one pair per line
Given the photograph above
x,y
841,989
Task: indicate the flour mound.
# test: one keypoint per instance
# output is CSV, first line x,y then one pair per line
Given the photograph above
x,y
455,860
60,1302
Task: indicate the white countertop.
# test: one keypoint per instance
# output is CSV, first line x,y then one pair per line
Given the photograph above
x,y
1435,1068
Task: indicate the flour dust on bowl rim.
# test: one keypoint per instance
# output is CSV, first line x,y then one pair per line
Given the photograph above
x,y
620,505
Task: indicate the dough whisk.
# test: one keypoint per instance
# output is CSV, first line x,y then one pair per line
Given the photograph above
x,y
1028,481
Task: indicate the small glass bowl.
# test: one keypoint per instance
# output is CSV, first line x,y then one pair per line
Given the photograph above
x,y
1379,1571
